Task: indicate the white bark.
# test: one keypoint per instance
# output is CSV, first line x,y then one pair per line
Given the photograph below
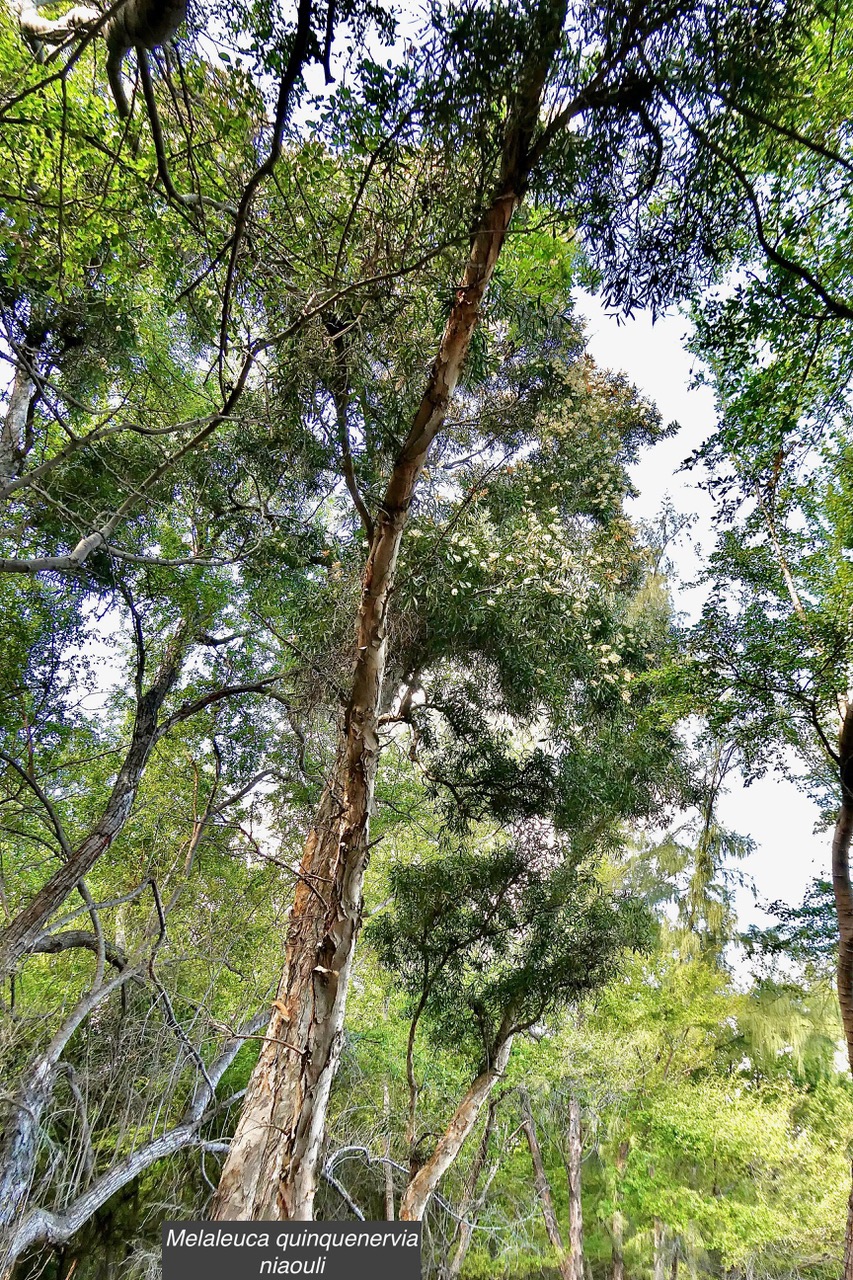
x,y
41,1226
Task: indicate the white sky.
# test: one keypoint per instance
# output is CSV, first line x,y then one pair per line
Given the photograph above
x,y
779,818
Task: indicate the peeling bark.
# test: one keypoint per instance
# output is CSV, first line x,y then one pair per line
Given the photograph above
x,y
422,1186
272,1169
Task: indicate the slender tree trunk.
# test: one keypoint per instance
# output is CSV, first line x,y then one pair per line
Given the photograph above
x,y
575,1203
618,1228
421,1187
471,1202
617,1244
27,926
388,1170
15,429
659,1271
543,1190
271,1170
841,883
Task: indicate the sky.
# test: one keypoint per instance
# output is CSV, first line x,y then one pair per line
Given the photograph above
x,y
778,817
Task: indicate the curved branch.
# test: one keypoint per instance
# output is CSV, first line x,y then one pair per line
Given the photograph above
x,y
43,1226
73,939
296,61
47,804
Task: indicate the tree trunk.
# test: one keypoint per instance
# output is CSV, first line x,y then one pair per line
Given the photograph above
x,y
421,1187
271,1171
617,1244
15,428
387,1169
841,883
471,1202
618,1228
659,1271
27,926
575,1204
543,1190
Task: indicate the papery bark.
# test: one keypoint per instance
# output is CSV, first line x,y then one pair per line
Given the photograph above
x,y
272,1169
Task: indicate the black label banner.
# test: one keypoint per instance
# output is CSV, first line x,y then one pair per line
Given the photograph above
x,y
252,1250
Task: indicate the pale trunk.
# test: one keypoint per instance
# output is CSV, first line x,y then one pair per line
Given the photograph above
x,y
388,1170
618,1228
272,1167
543,1190
420,1190
15,426
659,1271
617,1244
575,1203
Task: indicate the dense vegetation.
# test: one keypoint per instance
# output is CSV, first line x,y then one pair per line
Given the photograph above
x,y
359,839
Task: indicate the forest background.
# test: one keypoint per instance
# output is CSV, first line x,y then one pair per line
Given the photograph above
x,y
361,848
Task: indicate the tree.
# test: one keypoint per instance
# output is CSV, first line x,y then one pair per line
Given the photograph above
x,y
772,640
487,945
492,109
